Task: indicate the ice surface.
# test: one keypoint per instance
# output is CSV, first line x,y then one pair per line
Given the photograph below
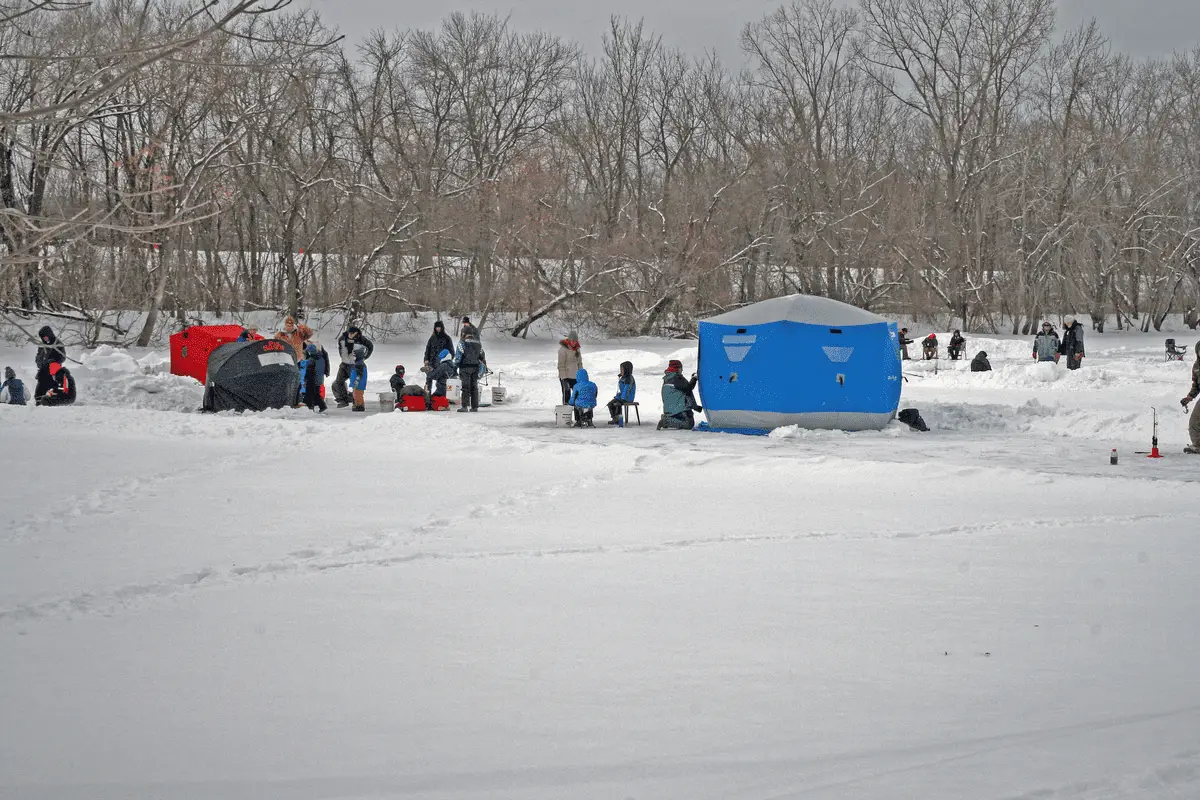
x,y
484,606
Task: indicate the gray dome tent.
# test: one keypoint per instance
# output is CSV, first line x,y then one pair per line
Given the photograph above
x,y
251,376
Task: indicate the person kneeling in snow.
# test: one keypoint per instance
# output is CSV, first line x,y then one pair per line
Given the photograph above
x,y
626,392
62,390
679,402
12,391
583,399
980,363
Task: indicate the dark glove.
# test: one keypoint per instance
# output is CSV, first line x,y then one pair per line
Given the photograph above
x,y
1184,402
697,408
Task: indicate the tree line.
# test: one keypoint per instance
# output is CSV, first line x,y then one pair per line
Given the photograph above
x,y
951,160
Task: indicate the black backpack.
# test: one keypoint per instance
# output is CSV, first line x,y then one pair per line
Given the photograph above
x,y
912,418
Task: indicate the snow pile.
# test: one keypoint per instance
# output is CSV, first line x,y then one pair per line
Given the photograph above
x,y
114,377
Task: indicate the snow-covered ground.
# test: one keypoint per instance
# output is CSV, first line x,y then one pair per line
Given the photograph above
x,y
484,606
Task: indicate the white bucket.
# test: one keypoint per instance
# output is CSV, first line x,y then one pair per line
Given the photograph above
x,y
564,416
454,391
499,393
387,401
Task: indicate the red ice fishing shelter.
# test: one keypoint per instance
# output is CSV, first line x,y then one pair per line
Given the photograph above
x,y
191,347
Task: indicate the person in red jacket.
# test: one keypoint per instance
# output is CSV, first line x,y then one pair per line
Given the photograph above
x,y
62,391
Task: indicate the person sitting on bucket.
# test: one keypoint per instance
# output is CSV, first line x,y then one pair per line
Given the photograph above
x,y
12,391
62,391
679,402
929,347
358,377
1194,419
583,399
957,346
1045,344
980,363
626,392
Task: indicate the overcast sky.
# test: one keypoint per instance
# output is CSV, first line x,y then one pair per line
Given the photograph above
x,y
1136,27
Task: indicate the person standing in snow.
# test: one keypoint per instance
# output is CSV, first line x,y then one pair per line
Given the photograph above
x,y
12,391
583,399
570,361
626,392
346,344
1045,344
1194,419
296,336
980,363
469,360
314,368
1072,342
679,402
957,346
62,387
396,382
358,378
438,341
50,351
904,343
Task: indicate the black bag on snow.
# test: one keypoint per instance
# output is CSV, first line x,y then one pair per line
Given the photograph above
x,y
912,418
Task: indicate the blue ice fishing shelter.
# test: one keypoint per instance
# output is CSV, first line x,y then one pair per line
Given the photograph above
x,y
799,360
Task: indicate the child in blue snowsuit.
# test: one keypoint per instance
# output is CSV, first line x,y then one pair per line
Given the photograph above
x,y
626,392
358,377
12,391
583,398
312,377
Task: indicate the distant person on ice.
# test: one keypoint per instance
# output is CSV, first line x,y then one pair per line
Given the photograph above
x,y
679,400
12,391
957,346
295,335
62,388
396,382
314,368
50,351
1072,342
345,345
469,361
570,361
358,378
904,343
438,341
1194,420
929,347
1045,344
583,399
980,363
626,392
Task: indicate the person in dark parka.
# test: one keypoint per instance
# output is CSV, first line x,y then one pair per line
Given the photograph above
x,y
50,351
1072,343
679,402
438,341
468,360
314,368
980,363
957,346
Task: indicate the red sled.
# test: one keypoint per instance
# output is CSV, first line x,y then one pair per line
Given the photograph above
x,y
412,402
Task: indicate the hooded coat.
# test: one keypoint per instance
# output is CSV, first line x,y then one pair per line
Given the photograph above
x,y
980,363
583,394
570,359
677,394
50,351
12,391
62,389
626,385
346,346
297,338
439,341
1045,346
1072,341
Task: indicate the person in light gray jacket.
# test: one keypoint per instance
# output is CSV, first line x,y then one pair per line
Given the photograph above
x,y
1045,344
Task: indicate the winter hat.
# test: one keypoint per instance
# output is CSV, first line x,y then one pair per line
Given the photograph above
x,y
311,349
982,354
9,374
1047,324
353,329
54,367
438,327
1068,320
400,370
444,355
573,336
289,320
674,365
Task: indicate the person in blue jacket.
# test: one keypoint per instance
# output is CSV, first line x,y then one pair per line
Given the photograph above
x,y
583,399
358,377
441,372
626,392
313,371
12,391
